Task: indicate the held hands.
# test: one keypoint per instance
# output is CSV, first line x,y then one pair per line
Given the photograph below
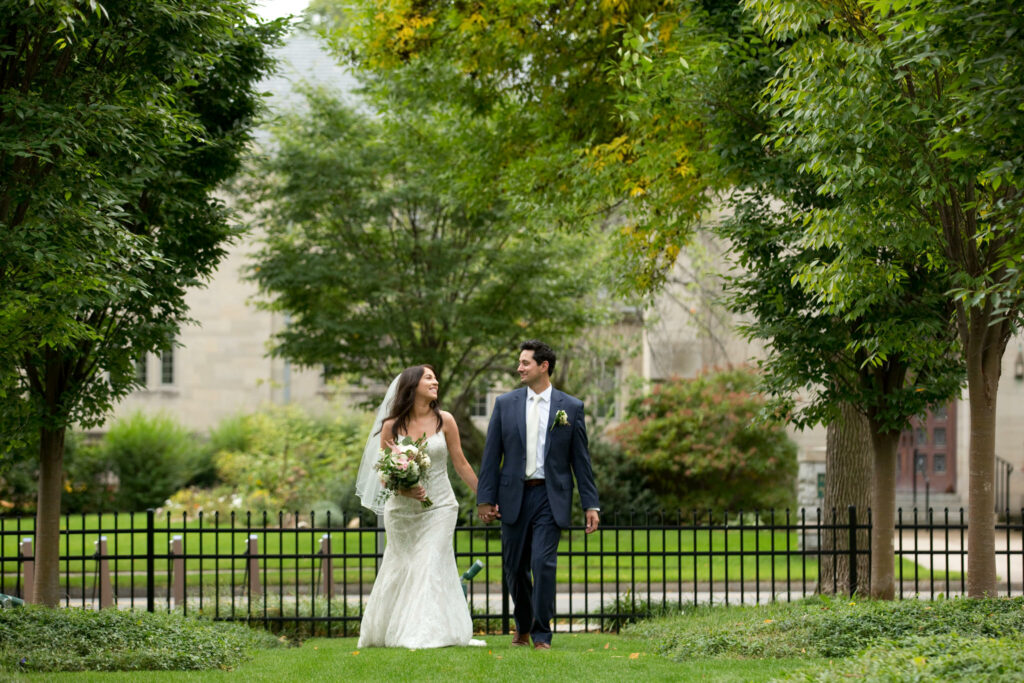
x,y
488,513
593,521
416,493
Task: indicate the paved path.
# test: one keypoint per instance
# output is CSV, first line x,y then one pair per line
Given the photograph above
x,y
950,555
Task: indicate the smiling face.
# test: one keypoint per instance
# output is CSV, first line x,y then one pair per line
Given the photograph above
x,y
427,388
530,373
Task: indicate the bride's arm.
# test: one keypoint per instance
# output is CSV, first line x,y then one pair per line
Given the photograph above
x,y
459,462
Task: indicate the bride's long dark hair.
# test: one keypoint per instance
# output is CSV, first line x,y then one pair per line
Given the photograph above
x,y
405,400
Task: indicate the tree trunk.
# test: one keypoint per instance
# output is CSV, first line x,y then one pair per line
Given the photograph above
x,y
883,514
47,542
983,370
848,475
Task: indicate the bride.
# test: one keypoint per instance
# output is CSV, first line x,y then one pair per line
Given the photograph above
x,y
417,599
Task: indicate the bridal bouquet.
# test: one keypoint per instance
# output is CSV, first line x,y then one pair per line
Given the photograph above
x,y
402,465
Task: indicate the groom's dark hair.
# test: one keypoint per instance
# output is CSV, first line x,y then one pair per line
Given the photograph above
x,y
541,352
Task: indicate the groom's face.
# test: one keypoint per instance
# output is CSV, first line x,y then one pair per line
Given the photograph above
x,y
529,371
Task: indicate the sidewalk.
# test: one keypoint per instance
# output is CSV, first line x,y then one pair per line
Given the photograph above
x,y
950,555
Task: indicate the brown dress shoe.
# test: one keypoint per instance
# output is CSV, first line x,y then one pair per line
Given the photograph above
x,y
520,639
542,646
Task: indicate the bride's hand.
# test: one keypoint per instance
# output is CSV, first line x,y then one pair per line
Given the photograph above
x,y
416,492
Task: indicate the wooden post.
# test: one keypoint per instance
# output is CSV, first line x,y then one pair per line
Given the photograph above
x,y
178,571
327,566
254,566
106,590
28,569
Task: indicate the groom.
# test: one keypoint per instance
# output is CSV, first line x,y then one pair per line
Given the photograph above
x,y
536,442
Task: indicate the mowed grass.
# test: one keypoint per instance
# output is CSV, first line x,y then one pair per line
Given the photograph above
x,y
591,657
820,639
627,554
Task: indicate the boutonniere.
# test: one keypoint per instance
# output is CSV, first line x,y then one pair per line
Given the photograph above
x,y
561,420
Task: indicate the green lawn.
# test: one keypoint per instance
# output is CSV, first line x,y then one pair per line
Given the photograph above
x,y
676,556
819,639
574,657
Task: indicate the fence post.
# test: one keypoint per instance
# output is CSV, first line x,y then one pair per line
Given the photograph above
x,y
853,550
150,560
106,590
327,566
178,571
28,568
254,565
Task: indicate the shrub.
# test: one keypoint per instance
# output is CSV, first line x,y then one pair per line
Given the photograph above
x,y
85,488
622,486
942,659
823,627
282,458
89,484
152,456
704,443
120,640
842,632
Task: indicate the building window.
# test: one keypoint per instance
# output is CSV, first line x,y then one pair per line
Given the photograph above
x,y
922,436
939,436
939,463
167,367
479,406
939,414
141,371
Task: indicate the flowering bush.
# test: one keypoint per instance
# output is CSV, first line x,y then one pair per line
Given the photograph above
x,y
706,443
281,458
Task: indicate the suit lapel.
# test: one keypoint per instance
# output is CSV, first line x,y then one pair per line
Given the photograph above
x,y
556,404
519,406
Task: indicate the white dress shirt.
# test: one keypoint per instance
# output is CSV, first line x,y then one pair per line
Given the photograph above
x,y
543,411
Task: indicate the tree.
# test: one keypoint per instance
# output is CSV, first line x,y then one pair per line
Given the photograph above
x,y
118,122
684,82
888,353
909,111
388,242
544,71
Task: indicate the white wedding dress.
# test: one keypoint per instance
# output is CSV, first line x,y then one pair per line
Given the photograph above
x,y
417,600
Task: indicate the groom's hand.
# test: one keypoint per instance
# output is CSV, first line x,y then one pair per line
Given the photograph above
x,y
487,512
593,521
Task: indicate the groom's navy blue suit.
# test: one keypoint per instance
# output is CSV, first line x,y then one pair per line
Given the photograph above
x,y
532,517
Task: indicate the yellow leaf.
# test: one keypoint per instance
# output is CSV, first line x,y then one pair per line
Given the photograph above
x,y
634,655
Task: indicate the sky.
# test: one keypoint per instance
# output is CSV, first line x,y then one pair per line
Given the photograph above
x,y
272,9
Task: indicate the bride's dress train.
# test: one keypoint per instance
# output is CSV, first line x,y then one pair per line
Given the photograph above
x,y
417,600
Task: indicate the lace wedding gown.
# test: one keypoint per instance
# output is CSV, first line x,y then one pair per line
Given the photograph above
x,y
417,600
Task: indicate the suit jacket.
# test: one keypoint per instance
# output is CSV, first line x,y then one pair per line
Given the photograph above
x,y
503,470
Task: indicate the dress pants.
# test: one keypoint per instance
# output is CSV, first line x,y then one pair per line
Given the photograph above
x,y
530,546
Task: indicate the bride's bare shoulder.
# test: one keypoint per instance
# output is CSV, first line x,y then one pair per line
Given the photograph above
x,y
447,418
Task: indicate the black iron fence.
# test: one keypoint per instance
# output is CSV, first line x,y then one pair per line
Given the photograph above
x,y
312,575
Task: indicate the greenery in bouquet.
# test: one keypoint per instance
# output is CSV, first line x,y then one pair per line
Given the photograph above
x,y
402,464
